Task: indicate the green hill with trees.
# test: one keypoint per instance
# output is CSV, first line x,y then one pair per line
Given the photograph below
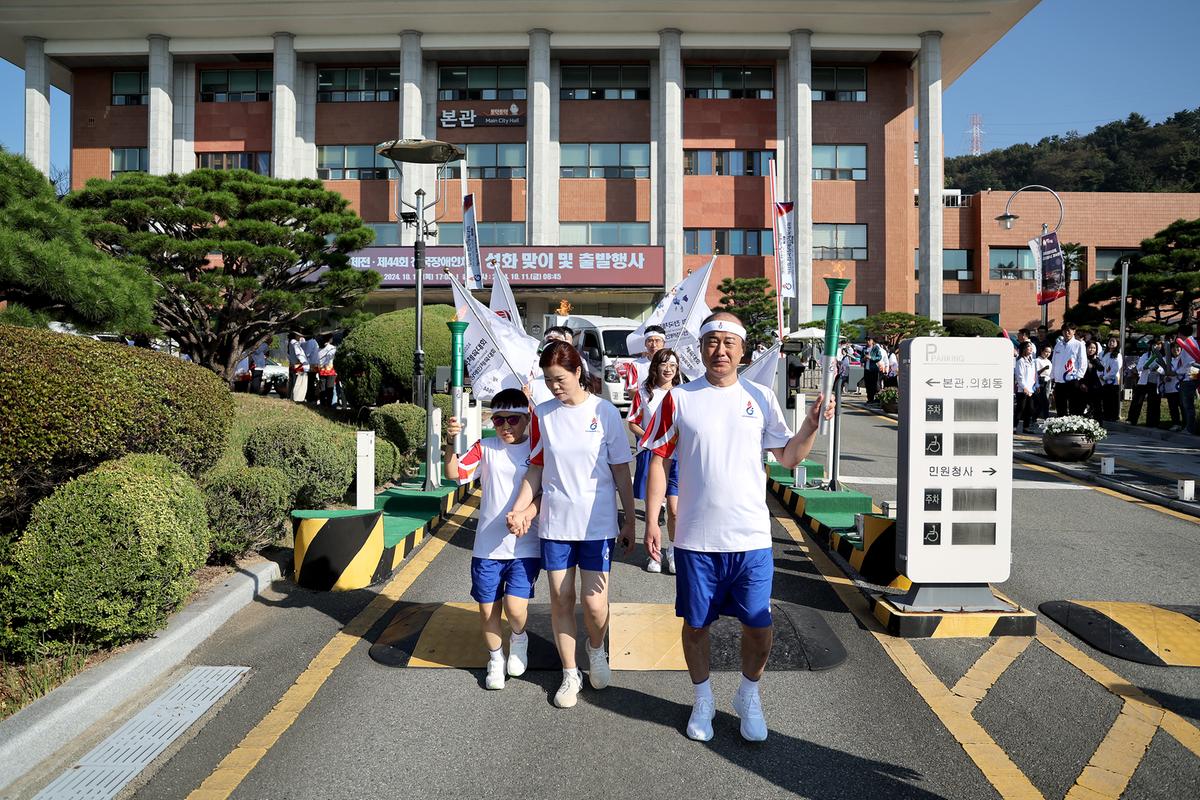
x,y
1129,155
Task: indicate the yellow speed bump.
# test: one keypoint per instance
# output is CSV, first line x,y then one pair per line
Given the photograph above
x,y
1165,636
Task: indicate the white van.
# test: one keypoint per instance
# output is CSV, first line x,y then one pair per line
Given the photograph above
x,y
601,340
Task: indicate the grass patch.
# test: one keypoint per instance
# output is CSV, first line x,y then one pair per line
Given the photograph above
x,y
251,411
21,684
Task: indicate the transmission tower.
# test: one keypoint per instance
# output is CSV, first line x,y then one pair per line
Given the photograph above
x,y
976,134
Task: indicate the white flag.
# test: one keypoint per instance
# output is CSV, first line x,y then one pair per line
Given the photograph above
x,y
634,342
497,354
472,268
683,317
502,303
763,369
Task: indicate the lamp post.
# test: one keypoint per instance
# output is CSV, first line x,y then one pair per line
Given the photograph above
x,y
1007,219
419,151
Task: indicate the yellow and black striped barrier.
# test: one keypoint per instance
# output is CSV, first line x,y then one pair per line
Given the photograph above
x,y
874,558
1161,635
951,625
338,551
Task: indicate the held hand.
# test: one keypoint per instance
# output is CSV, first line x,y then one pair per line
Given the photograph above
x,y
814,415
518,523
453,428
628,537
653,540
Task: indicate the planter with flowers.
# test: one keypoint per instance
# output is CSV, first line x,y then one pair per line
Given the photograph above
x,y
889,399
1071,438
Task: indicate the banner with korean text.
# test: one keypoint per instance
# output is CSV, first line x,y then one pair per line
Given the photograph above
x,y
1050,274
498,355
474,273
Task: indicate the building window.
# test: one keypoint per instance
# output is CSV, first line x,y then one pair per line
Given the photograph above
x,y
386,234
492,161
605,160
727,162
130,159
729,83
353,162
847,84
956,265
235,85
1107,260
482,83
605,83
256,162
490,233
1010,264
838,242
839,162
130,88
727,242
604,233
358,85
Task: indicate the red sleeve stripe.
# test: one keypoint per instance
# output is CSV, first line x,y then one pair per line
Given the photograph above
x,y
535,441
661,433
469,463
636,408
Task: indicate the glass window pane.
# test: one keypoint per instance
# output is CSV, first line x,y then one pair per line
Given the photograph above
x,y
266,80
824,79
851,79
954,259
605,233
481,77
606,77
571,233
759,78
697,77
852,156
509,233
576,77
127,83
736,242
1025,258
481,155
510,155
243,80
727,77
330,79
359,156
452,78
737,162
389,79
689,242
766,242
824,156
450,233
574,155
606,155
823,235
330,156
213,80
635,233
635,155
853,235
635,77
511,77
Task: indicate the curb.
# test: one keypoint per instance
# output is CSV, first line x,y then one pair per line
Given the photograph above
x,y
45,726
1088,476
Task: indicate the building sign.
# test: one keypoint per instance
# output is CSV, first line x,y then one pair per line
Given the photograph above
x,y
497,116
955,472
526,266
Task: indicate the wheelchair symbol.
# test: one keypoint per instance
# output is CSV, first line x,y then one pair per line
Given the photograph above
x,y
933,533
933,444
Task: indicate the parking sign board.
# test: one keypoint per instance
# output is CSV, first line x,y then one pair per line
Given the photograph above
x,y
955,467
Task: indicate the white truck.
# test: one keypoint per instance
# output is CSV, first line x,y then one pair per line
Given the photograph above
x,y
601,341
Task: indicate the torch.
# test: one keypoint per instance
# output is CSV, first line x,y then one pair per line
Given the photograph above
x,y
458,329
833,325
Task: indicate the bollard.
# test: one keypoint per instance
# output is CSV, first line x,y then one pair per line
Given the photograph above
x,y
1108,465
1185,490
858,524
364,483
800,477
889,508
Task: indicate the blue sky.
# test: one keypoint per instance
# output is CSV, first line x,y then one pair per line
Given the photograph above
x,y
1069,65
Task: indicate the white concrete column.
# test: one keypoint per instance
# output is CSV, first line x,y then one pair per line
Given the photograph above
x,y
655,137
305,148
412,108
160,119
283,108
799,166
183,103
553,155
37,104
929,129
429,88
670,153
541,224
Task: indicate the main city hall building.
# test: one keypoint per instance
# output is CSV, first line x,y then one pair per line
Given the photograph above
x,y
612,145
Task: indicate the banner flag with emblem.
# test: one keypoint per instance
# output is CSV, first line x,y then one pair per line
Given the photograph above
x,y
498,355
474,271
683,317
502,302
763,369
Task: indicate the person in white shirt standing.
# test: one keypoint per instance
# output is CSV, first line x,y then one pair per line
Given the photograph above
x,y
1110,381
662,376
326,372
1070,363
299,364
1025,373
1152,366
653,339
717,427
1187,366
312,352
504,567
579,462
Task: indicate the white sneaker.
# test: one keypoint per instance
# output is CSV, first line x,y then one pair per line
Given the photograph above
x,y
518,655
599,673
495,674
749,710
653,566
699,725
568,693
669,560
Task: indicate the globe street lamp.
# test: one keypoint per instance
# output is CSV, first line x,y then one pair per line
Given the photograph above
x,y
419,151
1007,219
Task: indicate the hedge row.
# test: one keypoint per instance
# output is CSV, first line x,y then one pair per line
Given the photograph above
x,y
378,355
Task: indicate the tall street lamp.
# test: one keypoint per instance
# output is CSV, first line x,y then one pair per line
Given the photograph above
x,y
419,151
1007,219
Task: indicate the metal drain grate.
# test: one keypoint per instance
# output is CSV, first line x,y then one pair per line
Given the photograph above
x,y
117,760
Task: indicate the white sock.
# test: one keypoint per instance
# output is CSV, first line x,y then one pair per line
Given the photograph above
x,y
496,655
519,637
573,672
703,690
591,649
748,687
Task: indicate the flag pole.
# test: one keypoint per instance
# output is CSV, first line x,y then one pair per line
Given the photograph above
x,y
487,329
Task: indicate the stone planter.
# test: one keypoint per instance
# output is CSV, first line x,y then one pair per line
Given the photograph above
x,y
1068,446
891,408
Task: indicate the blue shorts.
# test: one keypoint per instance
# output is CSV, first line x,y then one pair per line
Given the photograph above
x,y
709,585
493,578
594,556
641,475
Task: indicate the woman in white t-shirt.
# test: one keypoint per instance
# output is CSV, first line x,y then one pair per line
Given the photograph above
x,y
662,375
579,461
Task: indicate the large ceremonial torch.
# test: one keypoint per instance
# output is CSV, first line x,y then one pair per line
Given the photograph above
x,y
458,329
833,326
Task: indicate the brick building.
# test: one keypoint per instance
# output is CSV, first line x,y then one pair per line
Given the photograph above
x,y
643,130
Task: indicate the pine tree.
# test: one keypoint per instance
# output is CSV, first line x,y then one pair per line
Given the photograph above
x,y
753,300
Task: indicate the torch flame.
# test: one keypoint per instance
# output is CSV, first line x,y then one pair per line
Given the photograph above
x,y
839,270
564,307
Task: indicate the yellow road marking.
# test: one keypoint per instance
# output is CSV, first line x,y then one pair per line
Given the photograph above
x,y
984,673
234,768
1111,767
954,711
1137,501
645,636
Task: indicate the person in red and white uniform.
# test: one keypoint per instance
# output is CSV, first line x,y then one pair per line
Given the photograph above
x,y
663,375
504,567
717,427
653,339
579,461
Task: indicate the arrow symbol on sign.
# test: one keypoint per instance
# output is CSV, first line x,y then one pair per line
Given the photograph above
x,y
990,471
930,381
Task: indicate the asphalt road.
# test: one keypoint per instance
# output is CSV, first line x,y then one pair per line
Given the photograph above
x,y
862,729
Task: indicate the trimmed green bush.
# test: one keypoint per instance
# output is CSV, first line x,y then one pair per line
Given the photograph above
x,y
319,464
403,424
71,403
247,509
379,353
105,559
389,461
972,326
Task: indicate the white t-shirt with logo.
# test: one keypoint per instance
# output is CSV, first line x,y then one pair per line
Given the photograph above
x,y
500,467
575,446
637,371
717,435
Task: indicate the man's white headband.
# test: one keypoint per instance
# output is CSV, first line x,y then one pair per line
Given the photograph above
x,y
653,335
501,409
722,326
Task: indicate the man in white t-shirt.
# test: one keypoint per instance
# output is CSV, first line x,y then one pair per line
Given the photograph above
x,y
716,427
653,340
1070,363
